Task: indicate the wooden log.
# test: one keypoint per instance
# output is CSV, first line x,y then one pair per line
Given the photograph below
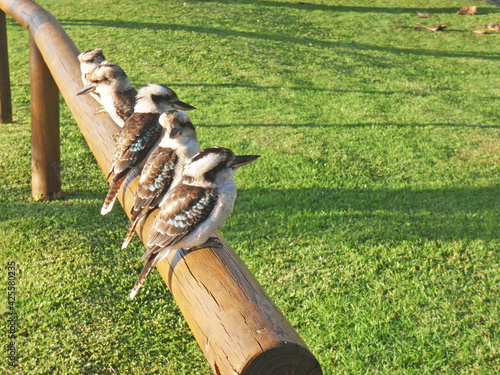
x,y
238,327
45,140
5,97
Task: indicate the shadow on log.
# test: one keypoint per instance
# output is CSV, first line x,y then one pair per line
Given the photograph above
x,y
238,327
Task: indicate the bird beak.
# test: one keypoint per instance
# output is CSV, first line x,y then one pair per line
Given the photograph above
x,y
242,160
86,89
175,133
182,106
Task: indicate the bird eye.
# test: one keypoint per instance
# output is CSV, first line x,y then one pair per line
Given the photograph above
x,y
160,98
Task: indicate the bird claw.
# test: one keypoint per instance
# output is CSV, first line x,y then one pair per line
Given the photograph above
x,y
99,110
211,242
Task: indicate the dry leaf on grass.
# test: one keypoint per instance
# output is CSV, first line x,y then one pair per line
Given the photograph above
x,y
468,10
436,28
479,31
422,15
493,27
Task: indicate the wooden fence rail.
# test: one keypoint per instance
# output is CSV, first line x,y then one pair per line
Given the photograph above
x,y
238,327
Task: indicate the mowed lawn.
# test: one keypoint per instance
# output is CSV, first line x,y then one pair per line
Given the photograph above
x,y
372,218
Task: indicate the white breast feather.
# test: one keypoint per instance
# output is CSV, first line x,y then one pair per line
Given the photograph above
x,y
184,152
108,103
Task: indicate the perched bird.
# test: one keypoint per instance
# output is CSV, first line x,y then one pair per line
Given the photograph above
x,y
88,61
163,168
115,90
194,209
140,133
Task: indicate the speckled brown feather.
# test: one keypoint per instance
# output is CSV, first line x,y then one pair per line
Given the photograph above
x,y
136,139
139,134
187,206
144,273
113,191
125,102
159,172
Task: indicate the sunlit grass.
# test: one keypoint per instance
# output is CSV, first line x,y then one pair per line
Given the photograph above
x,y
372,218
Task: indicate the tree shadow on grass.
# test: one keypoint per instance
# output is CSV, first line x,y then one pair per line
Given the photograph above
x,y
379,216
310,5
299,88
359,217
285,38
74,282
358,125
318,216
458,213
74,228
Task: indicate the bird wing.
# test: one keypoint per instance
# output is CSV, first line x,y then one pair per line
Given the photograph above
x,y
185,208
156,178
138,135
125,103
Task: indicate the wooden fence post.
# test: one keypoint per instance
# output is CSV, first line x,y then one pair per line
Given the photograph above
x,y
45,142
5,98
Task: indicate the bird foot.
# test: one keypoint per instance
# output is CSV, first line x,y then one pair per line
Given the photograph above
x,y
99,110
211,242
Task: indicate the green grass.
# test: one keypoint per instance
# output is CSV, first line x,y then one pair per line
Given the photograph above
x,y
372,218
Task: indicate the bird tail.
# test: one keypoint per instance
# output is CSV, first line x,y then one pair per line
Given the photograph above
x,y
135,218
130,233
113,192
150,252
142,277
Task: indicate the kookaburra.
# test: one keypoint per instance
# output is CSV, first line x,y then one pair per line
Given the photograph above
x,y
163,168
115,91
141,132
194,209
88,61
